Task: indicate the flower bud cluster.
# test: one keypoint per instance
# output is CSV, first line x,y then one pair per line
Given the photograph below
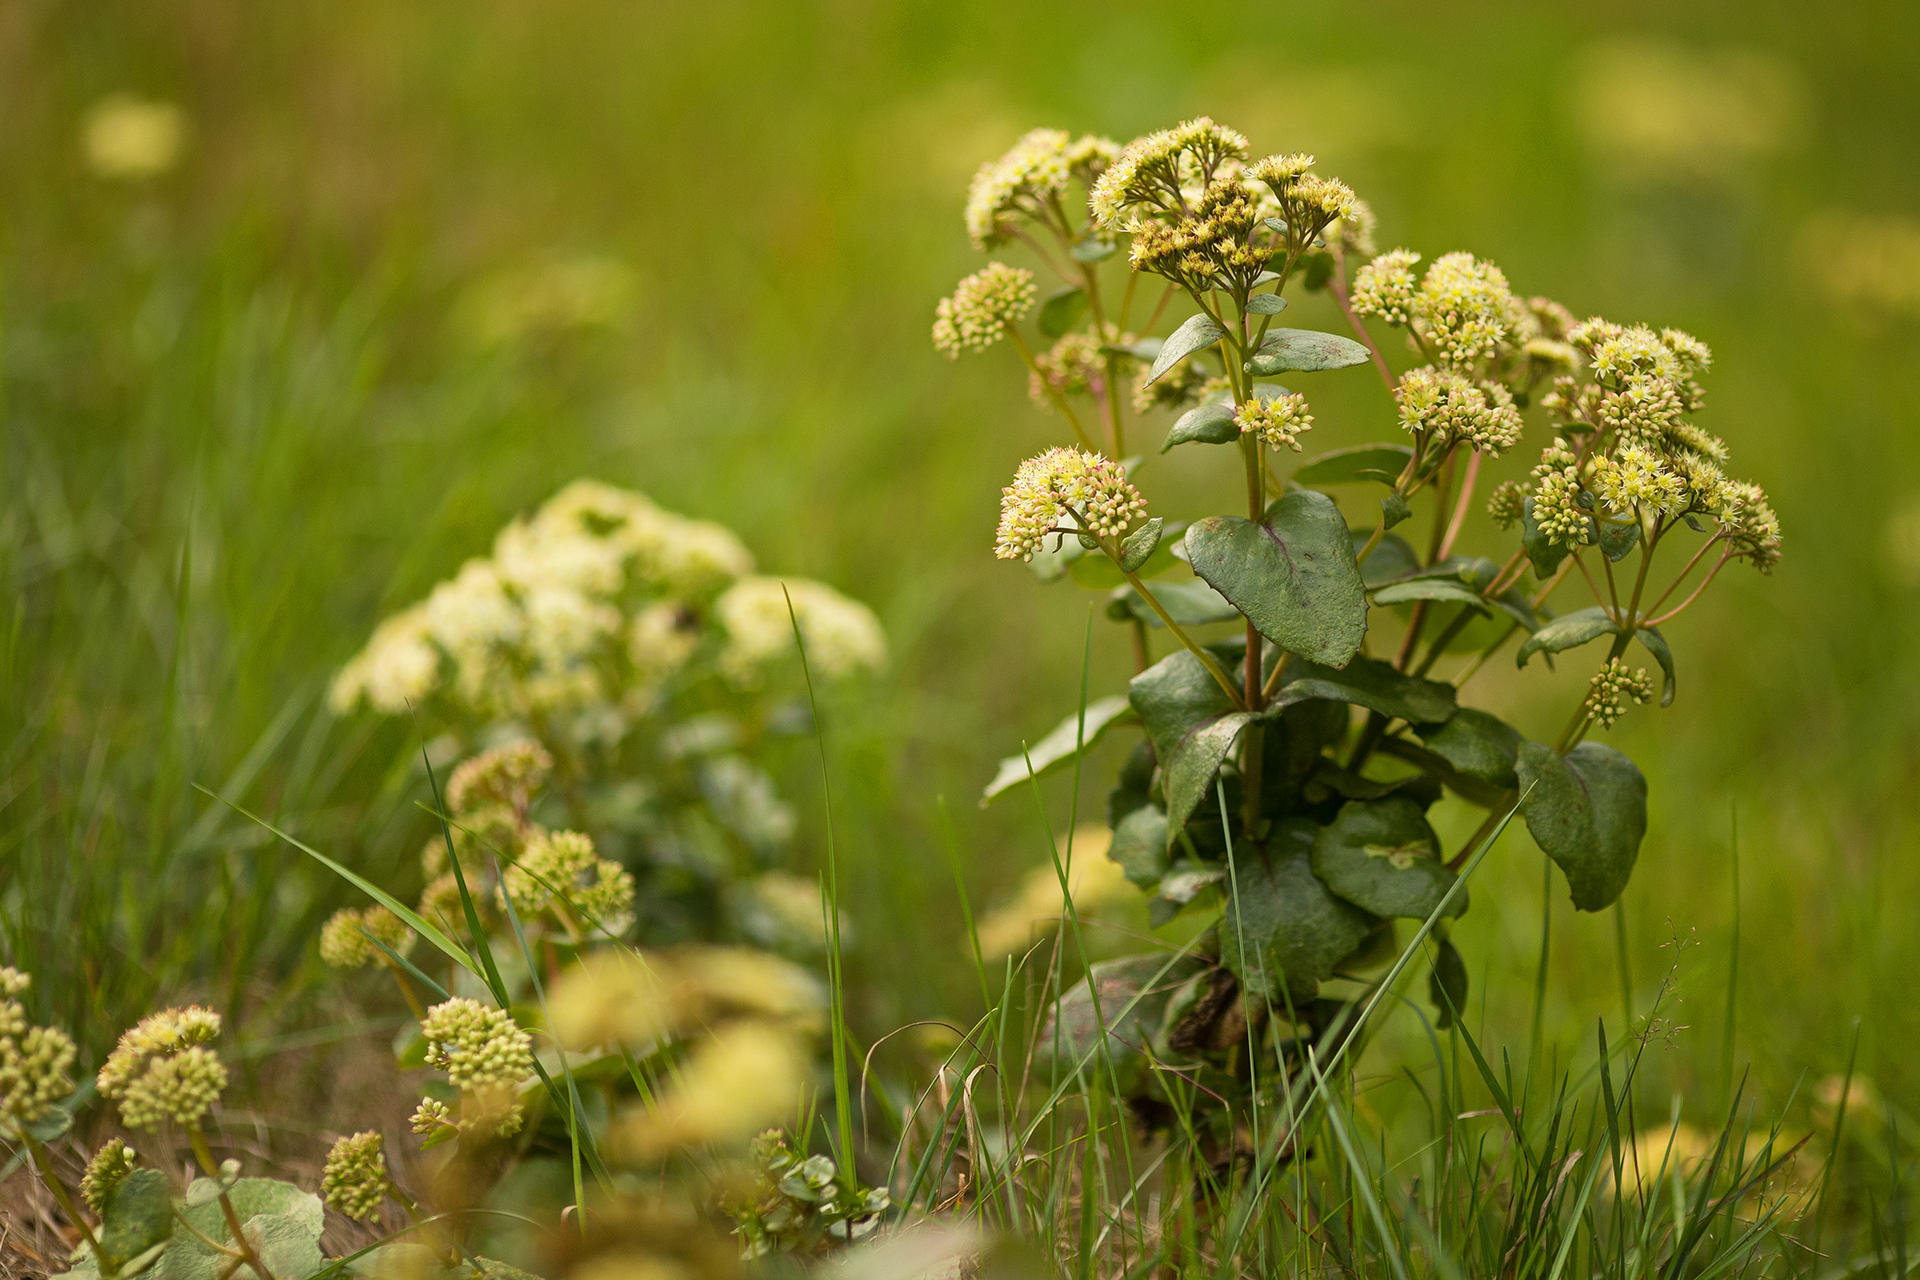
x,y
1446,408
355,1180
508,775
476,1046
1156,170
1385,287
1636,479
559,871
1024,184
33,1060
1279,421
1507,503
105,1172
345,941
1068,489
1614,686
842,635
160,1070
1212,245
1465,312
981,308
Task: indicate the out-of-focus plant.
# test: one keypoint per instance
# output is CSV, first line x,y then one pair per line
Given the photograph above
x,y
1286,767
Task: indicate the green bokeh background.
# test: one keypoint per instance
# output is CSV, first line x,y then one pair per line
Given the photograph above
x,y
246,413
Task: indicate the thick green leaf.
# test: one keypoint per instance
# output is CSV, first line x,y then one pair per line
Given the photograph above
x,y
1545,554
1208,424
1369,683
1569,631
1140,544
1197,333
1305,351
288,1250
1656,644
1266,304
1062,311
1192,604
1616,540
1588,811
1283,931
139,1215
1447,983
1173,697
1128,997
1379,462
1448,590
1191,766
1293,575
1139,845
1381,856
1391,558
1056,751
1477,744
1395,509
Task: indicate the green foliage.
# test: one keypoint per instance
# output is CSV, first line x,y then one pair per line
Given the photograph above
x,y
1588,811
1292,574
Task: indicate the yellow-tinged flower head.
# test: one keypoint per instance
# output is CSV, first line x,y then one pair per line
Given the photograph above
x,y
842,635
1279,421
1465,310
1024,183
355,1180
1064,488
486,1056
160,1071
1156,169
560,870
1507,503
345,941
1074,366
508,775
981,308
1448,409
1636,479
105,1172
736,1082
1385,287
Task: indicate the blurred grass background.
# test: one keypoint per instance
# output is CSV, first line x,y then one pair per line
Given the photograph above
x,y
417,266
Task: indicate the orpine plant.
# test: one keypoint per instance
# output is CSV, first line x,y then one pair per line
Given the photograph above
x,y
642,669
1287,766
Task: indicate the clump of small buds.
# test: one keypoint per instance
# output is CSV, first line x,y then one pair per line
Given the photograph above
x,y
1614,686
355,1180
485,1055
1064,490
161,1069
982,308
1450,409
105,1172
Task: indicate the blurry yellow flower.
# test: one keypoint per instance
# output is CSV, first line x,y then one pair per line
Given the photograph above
x,y
132,138
718,981
745,1077
1654,109
1651,1157
613,996
1096,882
1863,261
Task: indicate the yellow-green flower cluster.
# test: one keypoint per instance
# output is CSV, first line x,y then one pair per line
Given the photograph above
x,y
981,309
1635,479
1279,421
1446,408
507,775
1507,503
1465,312
355,1180
1614,686
1385,287
1027,182
33,1060
161,1069
560,871
1214,243
544,624
476,1046
105,1172
430,1116
1064,488
345,941
842,636
1156,170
